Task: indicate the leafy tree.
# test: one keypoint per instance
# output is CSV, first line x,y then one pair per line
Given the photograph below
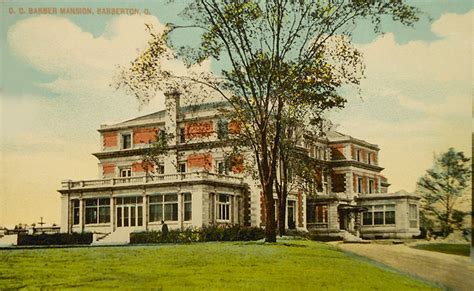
x,y
442,185
277,54
296,170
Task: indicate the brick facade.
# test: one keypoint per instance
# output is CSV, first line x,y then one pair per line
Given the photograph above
x,y
144,135
110,139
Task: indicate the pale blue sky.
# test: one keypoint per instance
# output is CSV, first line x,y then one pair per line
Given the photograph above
x,y
416,99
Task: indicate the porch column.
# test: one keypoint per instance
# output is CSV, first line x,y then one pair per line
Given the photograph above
x,y
199,206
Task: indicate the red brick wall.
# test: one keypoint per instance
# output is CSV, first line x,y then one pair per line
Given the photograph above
x,y
110,139
234,127
374,157
300,209
108,169
144,135
363,156
337,152
199,129
141,167
364,184
203,161
354,183
237,164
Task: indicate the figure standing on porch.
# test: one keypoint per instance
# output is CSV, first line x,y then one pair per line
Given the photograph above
x,y
164,230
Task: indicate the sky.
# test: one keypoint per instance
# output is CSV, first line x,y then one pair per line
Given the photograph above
x,y
55,72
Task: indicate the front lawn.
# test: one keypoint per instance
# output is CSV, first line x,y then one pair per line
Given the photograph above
x,y
452,249
290,265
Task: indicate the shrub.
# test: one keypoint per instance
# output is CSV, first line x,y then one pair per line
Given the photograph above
x,y
55,239
204,234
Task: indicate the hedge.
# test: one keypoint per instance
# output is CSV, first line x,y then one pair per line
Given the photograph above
x,y
55,239
203,234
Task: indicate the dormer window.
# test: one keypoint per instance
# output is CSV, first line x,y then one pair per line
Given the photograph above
x,y
182,135
222,167
160,169
182,168
126,141
125,172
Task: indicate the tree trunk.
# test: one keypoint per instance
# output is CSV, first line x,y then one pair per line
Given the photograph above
x,y
270,224
282,216
446,223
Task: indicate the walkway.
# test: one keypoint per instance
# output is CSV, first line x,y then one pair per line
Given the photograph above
x,y
452,271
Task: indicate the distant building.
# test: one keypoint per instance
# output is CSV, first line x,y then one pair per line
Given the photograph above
x,y
197,183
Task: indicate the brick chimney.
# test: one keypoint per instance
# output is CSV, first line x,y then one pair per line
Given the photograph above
x,y
172,114
171,126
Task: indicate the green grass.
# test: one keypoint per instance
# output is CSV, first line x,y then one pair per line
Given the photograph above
x,y
294,265
452,249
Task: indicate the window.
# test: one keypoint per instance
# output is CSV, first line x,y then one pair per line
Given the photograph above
x,y
182,168
163,207
129,211
97,210
222,129
371,186
182,135
358,155
160,169
125,172
126,141
369,158
359,185
222,167
223,207
389,214
322,213
367,217
75,211
187,207
291,214
379,215
413,215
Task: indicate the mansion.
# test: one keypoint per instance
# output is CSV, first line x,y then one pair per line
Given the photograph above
x,y
200,182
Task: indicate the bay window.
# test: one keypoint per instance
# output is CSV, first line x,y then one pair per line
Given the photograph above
x,y
379,215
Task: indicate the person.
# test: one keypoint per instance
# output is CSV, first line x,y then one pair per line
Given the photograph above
x,y
164,230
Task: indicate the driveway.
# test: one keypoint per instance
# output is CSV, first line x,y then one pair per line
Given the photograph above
x,y
452,271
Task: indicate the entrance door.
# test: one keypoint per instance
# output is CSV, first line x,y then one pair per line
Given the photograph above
x,y
129,212
343,220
